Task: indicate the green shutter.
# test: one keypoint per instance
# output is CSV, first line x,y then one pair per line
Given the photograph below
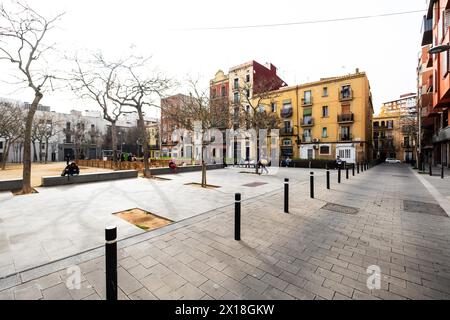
x,y
307,111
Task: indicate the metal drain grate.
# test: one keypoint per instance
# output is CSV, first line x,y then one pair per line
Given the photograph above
x,y
340,209
254,184
423,207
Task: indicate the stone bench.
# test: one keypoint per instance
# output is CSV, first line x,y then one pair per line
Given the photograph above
x,y
51,181
160,171
10,185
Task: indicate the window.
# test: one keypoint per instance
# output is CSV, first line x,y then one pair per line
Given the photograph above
x,y
236,97
287,104
325,132
68,138
345,153
346,91
390,124
214,93
345,133
287,142
325,92
324,150
261,108
223,90
42,146
236,84
67,126
247,108
307,97
247,78
287,125
247,92
273,107
325,111
92,127
1,144
376,124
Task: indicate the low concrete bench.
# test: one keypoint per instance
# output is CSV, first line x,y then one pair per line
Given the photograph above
x,y
10,185
160,171
88,177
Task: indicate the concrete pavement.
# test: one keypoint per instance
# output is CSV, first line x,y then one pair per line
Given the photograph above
x,y
383,218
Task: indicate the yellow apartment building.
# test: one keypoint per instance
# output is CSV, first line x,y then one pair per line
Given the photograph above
x,y
325,119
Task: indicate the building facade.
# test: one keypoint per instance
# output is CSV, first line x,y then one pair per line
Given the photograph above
x,y
395,130
325,119
434,86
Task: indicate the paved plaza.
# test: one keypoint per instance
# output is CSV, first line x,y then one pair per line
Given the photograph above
x,y
385,217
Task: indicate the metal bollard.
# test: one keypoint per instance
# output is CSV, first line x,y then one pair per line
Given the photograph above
x,y
339,175
357,167
237,216
311,185
431,170
353,170
111,262
442,171
328,179
286,195
346,172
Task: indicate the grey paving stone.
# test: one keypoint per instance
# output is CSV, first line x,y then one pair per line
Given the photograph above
x,y
58,292
84,291
189,292
275,294
48,281
299,293
274,281
27,291
213,289
173,280
142,294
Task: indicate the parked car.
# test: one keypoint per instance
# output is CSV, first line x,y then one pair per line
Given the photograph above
x,y
392,160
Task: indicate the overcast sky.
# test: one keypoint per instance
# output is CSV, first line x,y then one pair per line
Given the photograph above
x,y
386,48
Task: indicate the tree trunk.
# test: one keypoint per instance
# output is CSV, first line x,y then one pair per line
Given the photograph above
x,y
26,189
46,150
114,141
144,142
257,152
35,159
6,154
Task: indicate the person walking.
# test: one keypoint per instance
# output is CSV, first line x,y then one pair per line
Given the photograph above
x,y
262,164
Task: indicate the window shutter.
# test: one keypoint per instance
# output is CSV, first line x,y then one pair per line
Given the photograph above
x,y
307,111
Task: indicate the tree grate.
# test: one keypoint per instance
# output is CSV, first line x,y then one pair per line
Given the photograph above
x,y
423,207
341,209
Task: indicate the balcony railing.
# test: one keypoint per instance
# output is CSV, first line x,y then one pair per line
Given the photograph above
x,y
342,118
286,113
287,131
407,145
345,95
306,139
307,122
345,137
307,102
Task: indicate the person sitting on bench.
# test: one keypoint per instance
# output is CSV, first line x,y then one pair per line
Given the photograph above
x,y
70,170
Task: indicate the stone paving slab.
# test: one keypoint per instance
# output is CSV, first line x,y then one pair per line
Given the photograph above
x,y
309,253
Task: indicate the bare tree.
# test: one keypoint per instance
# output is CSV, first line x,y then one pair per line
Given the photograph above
x,y
94,80
136,87
45,126
252,108
195,109
11,127
22,31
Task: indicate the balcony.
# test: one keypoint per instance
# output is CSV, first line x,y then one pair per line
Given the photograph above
x,y
286,113
307,122
444,135
407,145
306,139
345,95
427,28
307,102
345,137
346,118
287,131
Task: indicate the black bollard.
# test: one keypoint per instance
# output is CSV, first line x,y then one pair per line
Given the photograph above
x,y
353,170
357,167
328,179
111,262
442,171
346,172
286,195
311,185
431,170
237,216
339,175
